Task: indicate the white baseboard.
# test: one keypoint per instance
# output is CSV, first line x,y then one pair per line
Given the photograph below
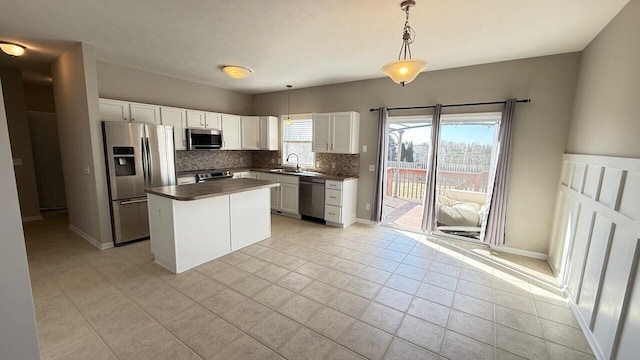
x,y
531,254
585,329
90,239
31,218
365,221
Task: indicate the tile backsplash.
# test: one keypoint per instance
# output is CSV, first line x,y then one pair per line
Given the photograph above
x,y
345,164
218,159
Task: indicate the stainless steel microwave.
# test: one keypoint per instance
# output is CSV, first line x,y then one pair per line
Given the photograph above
x,y
204,139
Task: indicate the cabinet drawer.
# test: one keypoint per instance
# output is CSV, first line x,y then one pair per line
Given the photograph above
x,y
333,213
333,197
332,184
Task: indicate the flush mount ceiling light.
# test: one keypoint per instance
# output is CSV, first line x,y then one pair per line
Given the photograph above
x,y
405,69
11,48
288,120
236,72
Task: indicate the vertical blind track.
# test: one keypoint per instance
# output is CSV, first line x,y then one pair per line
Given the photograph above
x,y
453,105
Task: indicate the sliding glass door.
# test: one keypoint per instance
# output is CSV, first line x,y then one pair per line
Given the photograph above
x,y
466,159
407,154
465,165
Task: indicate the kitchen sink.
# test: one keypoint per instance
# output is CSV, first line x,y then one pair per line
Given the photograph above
x,y
293,172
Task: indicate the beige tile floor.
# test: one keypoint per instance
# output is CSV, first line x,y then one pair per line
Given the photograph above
x,y
308,292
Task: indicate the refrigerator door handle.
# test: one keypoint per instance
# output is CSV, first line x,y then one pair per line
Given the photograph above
x,y
147,150
145,162
127,202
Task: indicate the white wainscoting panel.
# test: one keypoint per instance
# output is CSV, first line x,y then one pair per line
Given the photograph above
x,y
595,249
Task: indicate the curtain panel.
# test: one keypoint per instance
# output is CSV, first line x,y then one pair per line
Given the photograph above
x,y
494,223
429,216
381,165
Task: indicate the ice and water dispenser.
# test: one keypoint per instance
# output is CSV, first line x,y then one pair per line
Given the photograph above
x,y
124,160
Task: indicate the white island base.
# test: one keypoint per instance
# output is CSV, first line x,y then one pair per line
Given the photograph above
x,y
185,234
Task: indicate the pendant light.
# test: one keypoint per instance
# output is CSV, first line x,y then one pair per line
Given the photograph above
x,y
288,120
405,69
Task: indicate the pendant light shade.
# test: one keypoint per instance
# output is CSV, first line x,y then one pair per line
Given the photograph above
x,y
405,69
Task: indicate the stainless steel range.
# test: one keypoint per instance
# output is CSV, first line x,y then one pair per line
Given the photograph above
x,y
210,175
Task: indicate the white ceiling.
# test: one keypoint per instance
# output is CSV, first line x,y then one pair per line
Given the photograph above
x,y
300,42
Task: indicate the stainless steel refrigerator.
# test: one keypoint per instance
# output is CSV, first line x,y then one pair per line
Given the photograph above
x,y
138,156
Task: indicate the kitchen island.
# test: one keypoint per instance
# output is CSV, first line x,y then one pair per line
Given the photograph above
x,y
195,223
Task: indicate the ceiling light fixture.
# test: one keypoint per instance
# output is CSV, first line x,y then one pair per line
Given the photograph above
x,y
12,49
236,72
405,69
288,119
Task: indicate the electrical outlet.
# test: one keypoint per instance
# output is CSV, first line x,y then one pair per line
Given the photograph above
x,y
367,206
372,168
333,165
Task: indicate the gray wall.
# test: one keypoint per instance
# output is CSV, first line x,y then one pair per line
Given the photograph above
x,y
18,336
38,97
76,101
124,83
541,127
20,141
605,115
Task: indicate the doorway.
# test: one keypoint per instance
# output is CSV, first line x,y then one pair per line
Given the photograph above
x,y
465,166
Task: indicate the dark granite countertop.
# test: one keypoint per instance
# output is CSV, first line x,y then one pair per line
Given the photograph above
x,y
210,188
307,173
266,170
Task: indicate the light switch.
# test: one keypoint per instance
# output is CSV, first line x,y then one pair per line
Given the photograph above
x,y
17,162
372,168
364,148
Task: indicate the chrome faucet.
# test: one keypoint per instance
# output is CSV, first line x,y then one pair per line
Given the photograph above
x,y
297,161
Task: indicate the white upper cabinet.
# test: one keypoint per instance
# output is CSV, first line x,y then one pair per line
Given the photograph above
x,y
178,119
114,110
320,139
195,119
212,120
231,132
250,130
145,113
336,132
203,120
268,133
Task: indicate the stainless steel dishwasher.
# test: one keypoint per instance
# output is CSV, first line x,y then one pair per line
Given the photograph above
x,y
311,200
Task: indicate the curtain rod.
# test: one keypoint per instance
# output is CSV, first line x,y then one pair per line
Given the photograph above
x,y
453,105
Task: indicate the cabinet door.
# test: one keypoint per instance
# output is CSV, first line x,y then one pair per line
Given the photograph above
x,y
195,119
212,120
250,133
268,133
145,113
231,132
289,198
341,132
320,140
176,118
114,110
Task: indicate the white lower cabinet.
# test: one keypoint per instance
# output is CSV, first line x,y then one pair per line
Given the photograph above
x,y
284,199
340,202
